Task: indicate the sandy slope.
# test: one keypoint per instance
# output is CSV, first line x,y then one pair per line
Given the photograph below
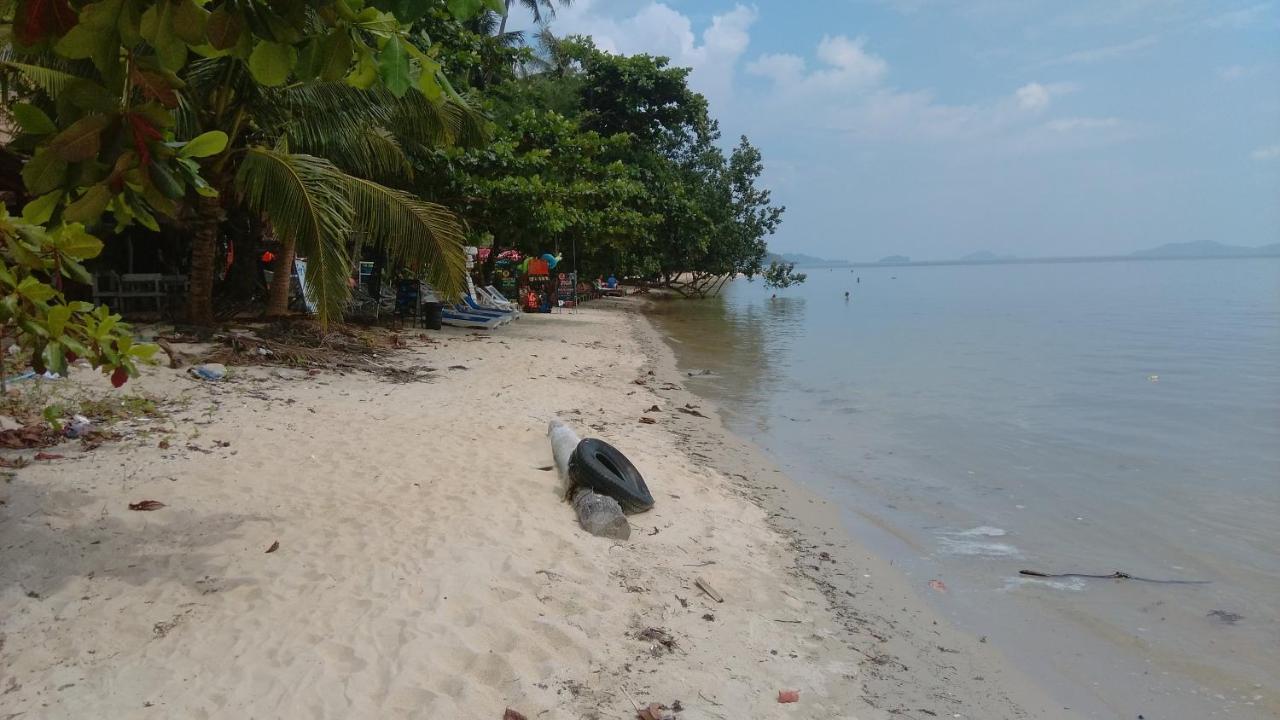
x,y
427,567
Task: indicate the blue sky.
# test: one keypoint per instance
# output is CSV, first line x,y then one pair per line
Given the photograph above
x,y
935,128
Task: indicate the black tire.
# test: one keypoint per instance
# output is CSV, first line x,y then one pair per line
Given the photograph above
x,y
601,467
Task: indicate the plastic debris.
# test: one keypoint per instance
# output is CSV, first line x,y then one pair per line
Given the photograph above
x,y
212,372
78,427
788,696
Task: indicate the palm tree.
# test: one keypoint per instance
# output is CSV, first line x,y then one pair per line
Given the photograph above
x,y
312,159
540,8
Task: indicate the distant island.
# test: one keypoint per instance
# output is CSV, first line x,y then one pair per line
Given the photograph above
x,y
1207,249
1200,249
986,256
802,260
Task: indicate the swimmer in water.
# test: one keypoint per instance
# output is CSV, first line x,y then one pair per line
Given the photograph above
x,y
846,295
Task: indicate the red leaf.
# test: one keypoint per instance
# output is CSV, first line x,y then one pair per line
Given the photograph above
x,y
513,715
35,20
119,377
154,85
143,133
146,505
788,696
48,456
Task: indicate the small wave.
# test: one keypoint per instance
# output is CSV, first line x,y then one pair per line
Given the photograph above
x,y
953,546
983,531
1069,584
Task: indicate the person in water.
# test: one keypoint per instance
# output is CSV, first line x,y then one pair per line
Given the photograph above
x,y
846,294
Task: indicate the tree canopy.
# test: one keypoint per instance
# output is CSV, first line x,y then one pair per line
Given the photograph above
x,y
416,125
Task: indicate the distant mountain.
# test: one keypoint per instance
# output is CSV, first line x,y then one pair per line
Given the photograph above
x,y
1206,248
895,259
986,256
802,260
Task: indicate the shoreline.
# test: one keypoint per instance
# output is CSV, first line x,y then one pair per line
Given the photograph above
x,y
426,563
906,669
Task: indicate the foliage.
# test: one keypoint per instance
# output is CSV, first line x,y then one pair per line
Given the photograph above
x,y
781,275
36,317
138,106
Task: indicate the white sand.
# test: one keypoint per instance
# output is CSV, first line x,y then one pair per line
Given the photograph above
x,y
427,567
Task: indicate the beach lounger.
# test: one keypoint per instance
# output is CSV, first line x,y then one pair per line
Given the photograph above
x,y
476,307
487,298
456,319
464,308
452,314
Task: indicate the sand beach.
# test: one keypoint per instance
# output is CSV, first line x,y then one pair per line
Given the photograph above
x,y
336,545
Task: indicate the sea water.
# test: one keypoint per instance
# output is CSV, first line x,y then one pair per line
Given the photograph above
x,y
974,421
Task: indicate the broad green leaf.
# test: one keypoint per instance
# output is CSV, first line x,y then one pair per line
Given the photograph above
x,y
129,23
35,291
336,58
427,83
365,72
188,22
204,145
89,96
270,63
38,211
224,27
88,208
467,9
84,42
171,51
44,171
75,243
32,119
57,319
165,181
393,66
54,357
81,141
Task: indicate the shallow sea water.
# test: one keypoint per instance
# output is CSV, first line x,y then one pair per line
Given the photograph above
x,y
973,421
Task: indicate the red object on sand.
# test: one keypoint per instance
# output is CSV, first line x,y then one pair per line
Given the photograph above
x,y
788,696
938,585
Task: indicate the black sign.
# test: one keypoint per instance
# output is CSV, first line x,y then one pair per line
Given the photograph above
x,y
567,286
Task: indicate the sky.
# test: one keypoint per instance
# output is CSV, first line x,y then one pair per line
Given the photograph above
x,y
938,128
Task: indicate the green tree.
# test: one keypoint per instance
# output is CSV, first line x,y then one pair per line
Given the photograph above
x,y
103,137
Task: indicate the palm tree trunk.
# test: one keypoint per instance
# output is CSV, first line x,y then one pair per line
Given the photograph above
x,y
281,282
502,26
204,245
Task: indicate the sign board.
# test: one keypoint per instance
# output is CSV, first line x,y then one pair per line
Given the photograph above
x,y
566,286
507,284
538,271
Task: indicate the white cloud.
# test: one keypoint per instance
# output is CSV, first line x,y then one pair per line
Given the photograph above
x,y
1104,53
658,29
850,61
1074,124
1268,152
783,68
1239,18
1033,96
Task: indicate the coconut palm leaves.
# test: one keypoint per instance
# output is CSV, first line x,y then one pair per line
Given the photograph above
x,y
313,207
303,197
421,235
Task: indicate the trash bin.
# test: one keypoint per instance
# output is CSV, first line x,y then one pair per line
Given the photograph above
x,y
432,315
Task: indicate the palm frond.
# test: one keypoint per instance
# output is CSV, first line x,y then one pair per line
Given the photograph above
x,y
415,233
373,153
51,81
306,200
